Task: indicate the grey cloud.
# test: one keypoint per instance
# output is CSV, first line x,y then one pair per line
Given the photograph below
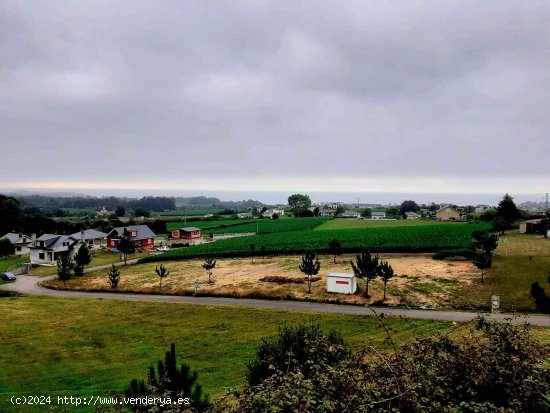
x,y
273,89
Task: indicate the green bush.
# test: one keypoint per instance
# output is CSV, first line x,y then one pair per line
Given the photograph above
x,y
467,253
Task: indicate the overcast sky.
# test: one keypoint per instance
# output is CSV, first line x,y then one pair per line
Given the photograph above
x,y
436,96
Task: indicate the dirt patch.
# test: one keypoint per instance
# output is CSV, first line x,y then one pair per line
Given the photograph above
x,y
419,281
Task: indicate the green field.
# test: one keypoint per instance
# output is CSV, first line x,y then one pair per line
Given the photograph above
x,y
420,238
340,223
82,347
7,262
263,226
187,212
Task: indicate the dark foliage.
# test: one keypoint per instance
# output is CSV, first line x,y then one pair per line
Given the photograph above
x,y
6,247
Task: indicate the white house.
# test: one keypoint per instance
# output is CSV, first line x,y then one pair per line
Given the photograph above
x,y
350,214
21,242
378,215
270,212
412,215
94,239
341,283
48,248
327,212
244,215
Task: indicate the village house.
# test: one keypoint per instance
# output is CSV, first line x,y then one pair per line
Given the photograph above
x,y
447,213
270,212
94,239
481,208
20,242
326,212
48,248
185,234
412,215
141,236
378,215
244,215
531,226
350,214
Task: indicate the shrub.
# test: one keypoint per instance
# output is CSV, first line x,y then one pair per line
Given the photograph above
x,y
460,252
301,348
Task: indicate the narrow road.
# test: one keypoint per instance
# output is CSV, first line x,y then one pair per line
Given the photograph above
x,y
27,284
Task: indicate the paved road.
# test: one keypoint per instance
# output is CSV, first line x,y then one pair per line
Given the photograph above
x,y
26,284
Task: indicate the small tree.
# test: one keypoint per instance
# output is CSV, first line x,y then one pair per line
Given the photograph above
x,y
126,246
484,240
82,258
263,250
6,247
335,248
252,248
172,382
508,210
64,268
339,210
499,225
162,272
366,268
120,211
545,225
366,213
114,276
483,261
539,295
386,273
310,266
209,264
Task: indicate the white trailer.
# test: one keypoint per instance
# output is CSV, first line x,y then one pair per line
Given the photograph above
x,y
341,283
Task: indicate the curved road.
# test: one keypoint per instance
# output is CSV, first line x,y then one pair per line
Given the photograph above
x,y
26,284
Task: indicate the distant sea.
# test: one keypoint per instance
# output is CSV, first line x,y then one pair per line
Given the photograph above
x,y
269,197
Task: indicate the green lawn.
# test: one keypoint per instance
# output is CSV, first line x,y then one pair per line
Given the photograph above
x,y
89,347
7,262
341,223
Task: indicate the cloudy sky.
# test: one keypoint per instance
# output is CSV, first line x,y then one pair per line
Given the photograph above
x,y
422,96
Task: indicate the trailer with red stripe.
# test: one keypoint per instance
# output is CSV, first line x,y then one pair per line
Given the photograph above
x,y
341,283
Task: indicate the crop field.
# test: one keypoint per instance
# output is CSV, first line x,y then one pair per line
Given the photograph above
x,y
264,226
427,238
187,212
341,223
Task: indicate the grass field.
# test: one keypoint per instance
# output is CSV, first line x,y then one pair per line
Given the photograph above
x,y
418,238
341,223
86,347
7,262
519,261
263,226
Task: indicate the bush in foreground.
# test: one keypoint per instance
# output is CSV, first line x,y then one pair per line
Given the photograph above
x,y
497,367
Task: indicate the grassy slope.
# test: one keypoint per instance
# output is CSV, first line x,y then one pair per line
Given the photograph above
x,y
88,347
512,273
7,262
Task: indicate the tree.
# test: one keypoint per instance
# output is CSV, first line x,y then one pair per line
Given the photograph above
x,y
483,261
508,210
408,206
339,210
162,272
263,250
11,215
275,216
386,273
485,240
141,212
310,266
545,225
252,248
303,348
120,211
366,213
335,248
366,268
539,295
209,264
114,276
499,225
82,258
126,246
6,247
171,383
64,268
299,203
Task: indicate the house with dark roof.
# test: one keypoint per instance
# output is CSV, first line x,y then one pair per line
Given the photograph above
x,y
94,239
185,234
48,248
141,236
20,242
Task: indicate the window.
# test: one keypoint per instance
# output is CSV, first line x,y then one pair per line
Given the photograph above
x,y
41,255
